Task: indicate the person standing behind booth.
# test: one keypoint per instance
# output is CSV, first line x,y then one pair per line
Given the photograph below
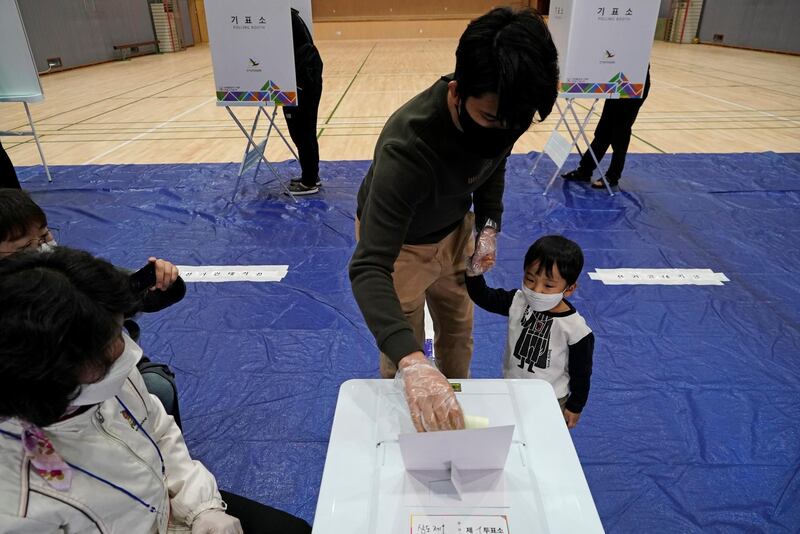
x,y
302,119
614,130
440,154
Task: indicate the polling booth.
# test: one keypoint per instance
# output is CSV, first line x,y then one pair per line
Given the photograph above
x,y
253,59
603,53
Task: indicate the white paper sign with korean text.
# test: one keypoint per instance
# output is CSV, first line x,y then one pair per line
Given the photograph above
x,y
665,277
233,273
459,524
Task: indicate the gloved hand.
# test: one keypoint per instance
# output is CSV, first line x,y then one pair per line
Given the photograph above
x,y
430,397
216,522
485,252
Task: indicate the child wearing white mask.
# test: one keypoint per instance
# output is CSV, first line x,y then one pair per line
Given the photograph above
x,y
547,338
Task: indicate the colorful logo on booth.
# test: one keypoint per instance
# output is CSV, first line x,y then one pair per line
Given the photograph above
x,y
270,92
618,84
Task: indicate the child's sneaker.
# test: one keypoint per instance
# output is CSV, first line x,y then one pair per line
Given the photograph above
x,y
298,189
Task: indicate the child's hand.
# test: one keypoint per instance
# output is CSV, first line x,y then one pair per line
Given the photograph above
x,y
166,274
571,418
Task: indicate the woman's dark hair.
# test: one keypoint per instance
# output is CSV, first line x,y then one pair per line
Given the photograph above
x,y
557,250
512,54
18,212
58,317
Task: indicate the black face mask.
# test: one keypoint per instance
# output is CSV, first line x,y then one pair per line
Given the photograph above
x,y
483,141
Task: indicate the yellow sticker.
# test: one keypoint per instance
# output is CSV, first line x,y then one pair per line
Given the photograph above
x,y
456,387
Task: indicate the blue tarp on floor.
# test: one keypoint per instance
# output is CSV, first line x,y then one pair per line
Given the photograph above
x,y
693,421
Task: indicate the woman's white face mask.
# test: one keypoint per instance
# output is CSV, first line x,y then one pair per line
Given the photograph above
x,y
111,384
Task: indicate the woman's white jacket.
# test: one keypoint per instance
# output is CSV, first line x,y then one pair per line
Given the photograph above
x,y
107,448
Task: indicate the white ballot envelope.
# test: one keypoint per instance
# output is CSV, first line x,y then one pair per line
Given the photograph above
x,y
464,464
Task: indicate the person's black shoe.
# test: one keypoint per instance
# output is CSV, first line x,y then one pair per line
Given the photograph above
x,y
298,189
578,175
300,180
612,181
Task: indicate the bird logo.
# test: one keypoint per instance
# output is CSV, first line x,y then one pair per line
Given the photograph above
x,y
609,55
253,62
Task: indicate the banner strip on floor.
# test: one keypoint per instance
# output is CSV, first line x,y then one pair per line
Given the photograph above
x,y
233,273
669,277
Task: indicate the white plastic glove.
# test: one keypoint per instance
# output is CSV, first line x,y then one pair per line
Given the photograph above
x,y
431,400
216,522
485,252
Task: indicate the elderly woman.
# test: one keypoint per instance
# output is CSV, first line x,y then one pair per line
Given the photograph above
x,y
83,446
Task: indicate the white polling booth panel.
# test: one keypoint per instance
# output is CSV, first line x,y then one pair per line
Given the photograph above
x,y
603,47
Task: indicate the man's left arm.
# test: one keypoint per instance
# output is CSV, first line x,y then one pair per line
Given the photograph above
x,y
488,198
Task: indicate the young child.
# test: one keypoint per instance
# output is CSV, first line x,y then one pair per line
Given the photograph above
x,y
547,337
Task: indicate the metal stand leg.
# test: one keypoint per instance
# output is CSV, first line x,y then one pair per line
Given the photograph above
x,y
255,146
38,145
582,134
247,146
572,145
263,145
273,125
555,128
266,141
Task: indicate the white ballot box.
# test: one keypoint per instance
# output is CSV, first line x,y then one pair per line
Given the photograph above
x,y
366,487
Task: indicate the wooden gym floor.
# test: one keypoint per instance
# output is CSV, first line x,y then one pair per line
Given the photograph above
x,y
160,109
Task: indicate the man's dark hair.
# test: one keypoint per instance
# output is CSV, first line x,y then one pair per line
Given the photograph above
x,y
58,317
512,54
556,250
18,212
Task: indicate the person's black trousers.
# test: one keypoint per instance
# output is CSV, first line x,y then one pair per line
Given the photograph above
x,y
302,123
8,176
257,518
614,130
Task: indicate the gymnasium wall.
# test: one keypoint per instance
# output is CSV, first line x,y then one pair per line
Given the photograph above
x,y
186,23
760,24
329,10
665,9
83,32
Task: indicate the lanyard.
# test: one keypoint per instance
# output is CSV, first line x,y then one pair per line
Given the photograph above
x,y
140,427
120,489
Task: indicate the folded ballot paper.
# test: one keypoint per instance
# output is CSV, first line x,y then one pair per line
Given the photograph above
x,y
466,463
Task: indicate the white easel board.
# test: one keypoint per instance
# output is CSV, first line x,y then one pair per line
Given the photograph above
x,y
252,52
603,47
19,78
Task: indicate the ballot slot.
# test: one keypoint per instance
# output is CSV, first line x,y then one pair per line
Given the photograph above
x,y
401,495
